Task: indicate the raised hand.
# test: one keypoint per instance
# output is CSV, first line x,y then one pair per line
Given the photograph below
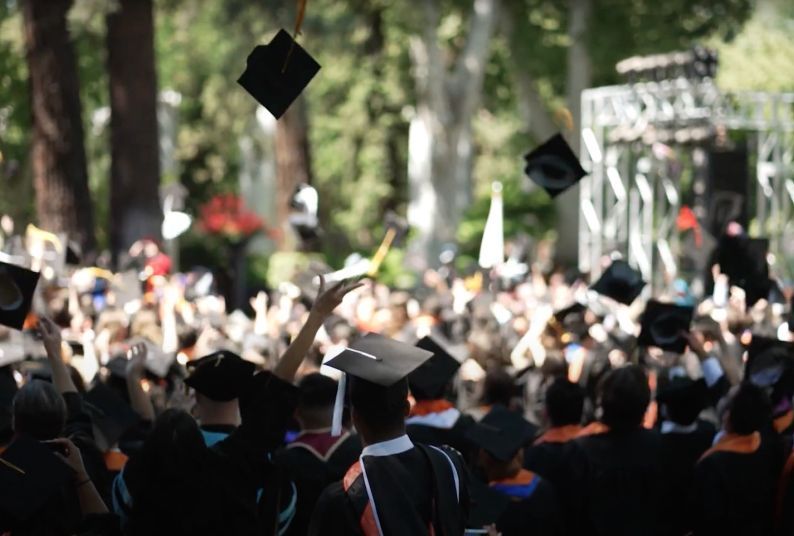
x,y
70,454
136,360
51,337
330,299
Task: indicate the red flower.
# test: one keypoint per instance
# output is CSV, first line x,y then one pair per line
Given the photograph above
x,y
227,216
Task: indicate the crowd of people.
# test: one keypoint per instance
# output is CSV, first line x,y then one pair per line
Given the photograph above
x,y
134,403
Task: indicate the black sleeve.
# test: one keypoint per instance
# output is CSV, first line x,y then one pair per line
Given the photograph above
x,y
79,429
78,421
333,516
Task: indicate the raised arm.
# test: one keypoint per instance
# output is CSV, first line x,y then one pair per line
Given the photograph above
x,y
90,500
51,337
327,301
139,400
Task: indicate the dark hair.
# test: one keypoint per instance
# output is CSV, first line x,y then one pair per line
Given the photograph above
x,y
171,481
624,398
564,402
498,387
317,391
39,411
381,408
749,409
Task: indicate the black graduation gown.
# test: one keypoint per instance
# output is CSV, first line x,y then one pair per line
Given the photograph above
x,y
405,487
679,454
454,437
312,474
733,493
61,514
615,477
549,460
232,474
539,514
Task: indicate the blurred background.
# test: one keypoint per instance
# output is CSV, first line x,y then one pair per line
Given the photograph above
x,y
117,113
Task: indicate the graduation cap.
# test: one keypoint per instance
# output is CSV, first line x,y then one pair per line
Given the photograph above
x,y
278,72
620,282
429,381
683,390
110,413
17,286
221,376
743,259
501,433
30,473
662,324
766,354
554,166
375,359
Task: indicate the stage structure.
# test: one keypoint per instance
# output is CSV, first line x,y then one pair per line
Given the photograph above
x,y
642,144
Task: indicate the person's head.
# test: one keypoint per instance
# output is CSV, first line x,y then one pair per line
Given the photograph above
x,y
378,412
498,387
317,394
748,410
39,411
624,396
681,399
496,469
564,402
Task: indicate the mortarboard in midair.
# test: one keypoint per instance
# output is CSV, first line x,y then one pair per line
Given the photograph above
x,y
278,72
376,359
767,360
30,473
17,286
501,433
554,166
662,324
620,282
429,381
221,376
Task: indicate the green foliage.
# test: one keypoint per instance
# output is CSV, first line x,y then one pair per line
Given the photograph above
x,y
360,103
761,58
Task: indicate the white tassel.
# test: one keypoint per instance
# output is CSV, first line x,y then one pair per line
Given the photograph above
x,y
339,406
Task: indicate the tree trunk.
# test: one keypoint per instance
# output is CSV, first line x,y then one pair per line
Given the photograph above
x,y
60,177
440,147
135,167
293,163
578,79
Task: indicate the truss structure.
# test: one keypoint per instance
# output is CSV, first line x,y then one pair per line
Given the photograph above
x,y
629,203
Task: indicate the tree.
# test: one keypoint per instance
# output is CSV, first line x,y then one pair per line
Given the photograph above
x,y
441,145
135,167
293,162
63,202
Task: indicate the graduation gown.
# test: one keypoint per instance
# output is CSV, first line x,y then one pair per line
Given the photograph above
x,y
61,514
548,455
445,427
313,461
399,488
733,488
681,449
523,504
233,472
615,477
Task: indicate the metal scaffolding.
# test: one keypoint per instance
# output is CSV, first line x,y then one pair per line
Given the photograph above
x,y
629,203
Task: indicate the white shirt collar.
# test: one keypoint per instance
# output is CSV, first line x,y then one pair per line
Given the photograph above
x,y
388,448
